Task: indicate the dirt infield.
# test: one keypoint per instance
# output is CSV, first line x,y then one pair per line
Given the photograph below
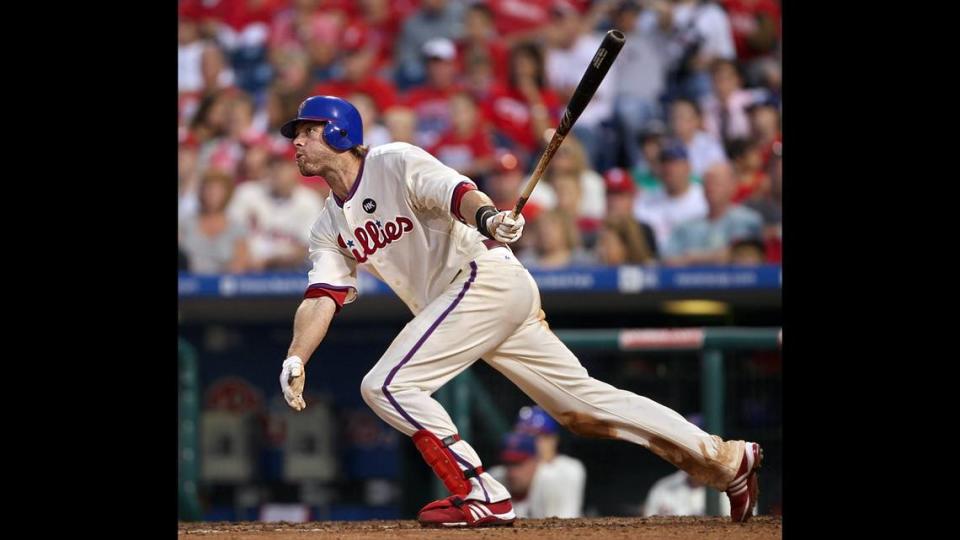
x,y
553,529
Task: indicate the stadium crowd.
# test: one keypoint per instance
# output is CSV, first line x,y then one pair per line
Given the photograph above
x,y
676,161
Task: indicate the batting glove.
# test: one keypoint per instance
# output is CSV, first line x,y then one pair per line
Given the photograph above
x,y
292,378
504,227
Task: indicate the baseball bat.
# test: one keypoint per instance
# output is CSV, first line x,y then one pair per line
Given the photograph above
x,y
592,77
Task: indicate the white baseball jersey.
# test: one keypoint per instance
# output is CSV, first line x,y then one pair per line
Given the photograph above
x,y
674,496
398,221
471,301
556,489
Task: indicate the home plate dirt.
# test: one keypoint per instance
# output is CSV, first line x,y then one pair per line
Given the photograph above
x,y
526,529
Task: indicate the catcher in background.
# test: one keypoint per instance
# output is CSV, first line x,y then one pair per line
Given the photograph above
x,y
439,243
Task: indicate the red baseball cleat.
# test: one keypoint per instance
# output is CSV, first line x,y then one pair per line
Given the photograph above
x,y
457,512
744,489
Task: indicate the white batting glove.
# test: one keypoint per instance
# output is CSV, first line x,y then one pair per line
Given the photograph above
x,y
292,377
504,227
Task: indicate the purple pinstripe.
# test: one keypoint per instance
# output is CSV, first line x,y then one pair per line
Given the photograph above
x,y
416,347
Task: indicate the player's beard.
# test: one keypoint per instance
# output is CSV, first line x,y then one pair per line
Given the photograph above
x,y
308,168
305,169
324,170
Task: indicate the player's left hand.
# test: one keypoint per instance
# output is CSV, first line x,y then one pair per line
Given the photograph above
x,y
292,377
504,227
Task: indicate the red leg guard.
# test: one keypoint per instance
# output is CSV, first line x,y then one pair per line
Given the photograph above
x,y
441,460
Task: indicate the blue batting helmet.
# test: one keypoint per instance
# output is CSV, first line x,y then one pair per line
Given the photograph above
x,y
536,420
518,447
343,129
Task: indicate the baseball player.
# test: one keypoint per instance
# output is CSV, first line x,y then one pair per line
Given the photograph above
x,y
538,490
544,482
441,246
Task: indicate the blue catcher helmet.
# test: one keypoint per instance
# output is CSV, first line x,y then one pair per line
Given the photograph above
x,y
536,420
343,129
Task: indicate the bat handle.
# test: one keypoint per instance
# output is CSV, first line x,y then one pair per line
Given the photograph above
x,y
519,207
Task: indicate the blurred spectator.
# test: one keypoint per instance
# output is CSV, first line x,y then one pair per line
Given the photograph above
x,y
323,34
700,33
624,240
279,212
640,72
647,171
566,187
287,25
384,18
480,78
211,129
202,73
621,192
767,74
504,187
255,164
557,243
680,495
622,230
434,18
227,152
466,146
765,125
203,12
770,208
752,179
189,54
480,38
358,75
244,22
188,180
570,45
679,199
707,240
243,31
244,125
215,70
725,111
374,132
431,101
520,20
568,190
755,26
526,108
686,124
401,122
213,242
571,158
748,252
290,87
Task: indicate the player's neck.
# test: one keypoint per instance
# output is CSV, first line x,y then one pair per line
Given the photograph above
x,y
341,181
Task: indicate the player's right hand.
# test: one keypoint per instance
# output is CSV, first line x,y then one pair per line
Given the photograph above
x,y
504,227
292,377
